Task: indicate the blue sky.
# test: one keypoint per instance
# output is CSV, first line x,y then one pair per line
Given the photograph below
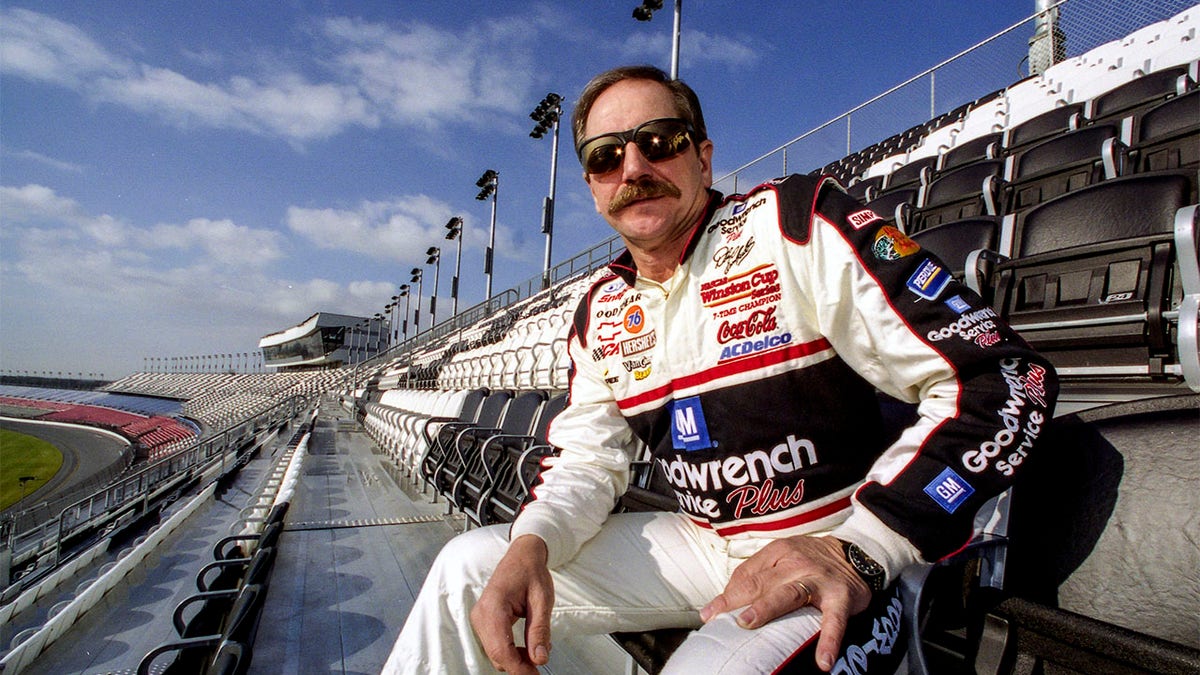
x,y
184,178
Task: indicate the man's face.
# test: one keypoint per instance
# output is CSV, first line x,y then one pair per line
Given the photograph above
x,y
647,203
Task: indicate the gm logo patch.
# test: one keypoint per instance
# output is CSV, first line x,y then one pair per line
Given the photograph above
x,y
949,490
688,429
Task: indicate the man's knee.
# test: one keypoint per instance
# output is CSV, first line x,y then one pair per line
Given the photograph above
x,y
469,558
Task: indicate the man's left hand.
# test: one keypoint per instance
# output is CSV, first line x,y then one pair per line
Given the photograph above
x,y
788,574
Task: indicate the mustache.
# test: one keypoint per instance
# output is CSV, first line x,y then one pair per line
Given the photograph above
x,y
645,188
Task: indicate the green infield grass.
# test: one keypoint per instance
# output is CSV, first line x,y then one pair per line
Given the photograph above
x,y
26,463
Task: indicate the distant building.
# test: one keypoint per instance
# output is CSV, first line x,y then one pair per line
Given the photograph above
x,y
325,340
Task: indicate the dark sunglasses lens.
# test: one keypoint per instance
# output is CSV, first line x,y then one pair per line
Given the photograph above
x,y
662,140
605,156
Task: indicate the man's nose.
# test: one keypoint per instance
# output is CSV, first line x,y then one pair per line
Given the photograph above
x,y
634,164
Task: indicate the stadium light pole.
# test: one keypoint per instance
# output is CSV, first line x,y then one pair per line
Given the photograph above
x,y
645,12
416,279
489,185
390,309
454,231
433,256
546,115
404,294
379,317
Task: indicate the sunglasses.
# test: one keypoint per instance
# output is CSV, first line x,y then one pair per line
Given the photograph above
x,y
657,140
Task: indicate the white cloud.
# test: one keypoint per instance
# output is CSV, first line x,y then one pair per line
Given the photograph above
x,y
38,47
55,219
51,162
424,76
100,289
400,229
417,76
222,240
695,48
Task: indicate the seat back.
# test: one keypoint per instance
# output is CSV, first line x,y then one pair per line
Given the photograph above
x,y
1168,135
1095,274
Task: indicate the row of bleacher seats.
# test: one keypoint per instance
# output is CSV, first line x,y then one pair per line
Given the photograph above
x,y
1079,224
216,626
522,347
222,398
1152,126
1095,78
156,436
478,448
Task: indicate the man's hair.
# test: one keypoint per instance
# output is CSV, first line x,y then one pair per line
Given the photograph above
x,y
687,105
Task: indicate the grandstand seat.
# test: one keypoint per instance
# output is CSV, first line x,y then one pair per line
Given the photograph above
x,y
252,569
979,148
440,462
968,247
1043,126
420,429
1104,280
471,479
865,189
1064,163
965,192
239,628
1167,136
1140,93
503,457
916,172
895,206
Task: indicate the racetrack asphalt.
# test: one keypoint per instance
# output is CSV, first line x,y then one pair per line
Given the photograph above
x,y
86,452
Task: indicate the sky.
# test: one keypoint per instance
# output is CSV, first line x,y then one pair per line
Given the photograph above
x,y
181,179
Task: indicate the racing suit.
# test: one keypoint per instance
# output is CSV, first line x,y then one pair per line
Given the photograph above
x,y
750,377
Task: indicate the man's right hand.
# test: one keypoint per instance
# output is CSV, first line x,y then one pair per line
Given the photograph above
x,y
520,587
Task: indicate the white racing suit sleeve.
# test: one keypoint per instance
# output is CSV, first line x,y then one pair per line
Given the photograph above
x,y
580,486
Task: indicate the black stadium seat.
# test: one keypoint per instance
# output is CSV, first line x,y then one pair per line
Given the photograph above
x,y
1100,278
1139,93
987,146
1067,162
1168,135
1043,126
968,247
915,172
470,483
895,206
968,191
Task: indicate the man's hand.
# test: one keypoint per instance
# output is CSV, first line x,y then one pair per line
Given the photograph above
x,y
788,574
520,587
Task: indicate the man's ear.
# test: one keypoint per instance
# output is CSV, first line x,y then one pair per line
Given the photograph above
x,y
704,150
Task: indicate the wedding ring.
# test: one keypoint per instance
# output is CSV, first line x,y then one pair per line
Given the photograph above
x,y
808,595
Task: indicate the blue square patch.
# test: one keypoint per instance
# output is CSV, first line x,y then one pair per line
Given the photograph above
x,y
957,304
688,429
949,490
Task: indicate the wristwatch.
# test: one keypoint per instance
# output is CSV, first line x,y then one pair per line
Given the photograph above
x,y
871,572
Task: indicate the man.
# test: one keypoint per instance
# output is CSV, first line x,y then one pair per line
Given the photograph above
x,y
742,341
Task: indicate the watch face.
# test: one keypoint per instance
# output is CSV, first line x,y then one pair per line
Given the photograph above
x,y
871,571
